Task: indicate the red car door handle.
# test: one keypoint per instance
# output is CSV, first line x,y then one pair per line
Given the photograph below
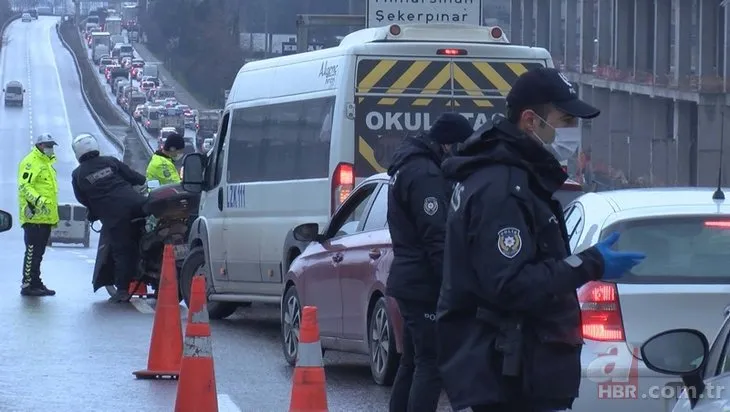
x,y
337,258
374,253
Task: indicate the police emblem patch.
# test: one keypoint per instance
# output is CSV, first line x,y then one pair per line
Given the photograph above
x,y
166,173
430,206
509,242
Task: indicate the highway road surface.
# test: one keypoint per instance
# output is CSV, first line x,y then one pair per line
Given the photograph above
x,y
75,351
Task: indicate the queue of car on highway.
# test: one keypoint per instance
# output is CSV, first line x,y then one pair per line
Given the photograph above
x,y
145,98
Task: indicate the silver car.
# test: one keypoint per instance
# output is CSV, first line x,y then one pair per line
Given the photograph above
x,y
684,282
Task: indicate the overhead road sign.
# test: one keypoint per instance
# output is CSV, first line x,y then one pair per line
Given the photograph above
x,y
386,12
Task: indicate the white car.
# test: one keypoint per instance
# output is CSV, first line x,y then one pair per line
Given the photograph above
x,y
25,17
684,282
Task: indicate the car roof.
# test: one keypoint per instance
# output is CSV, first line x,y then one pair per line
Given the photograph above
x,y
627,199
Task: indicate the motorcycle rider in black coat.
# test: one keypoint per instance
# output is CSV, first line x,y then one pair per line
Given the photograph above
x,y
417,202
103,184
508,316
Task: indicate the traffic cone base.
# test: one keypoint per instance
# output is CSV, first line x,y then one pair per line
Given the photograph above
x,y
166,342
138,288
196,391
309,387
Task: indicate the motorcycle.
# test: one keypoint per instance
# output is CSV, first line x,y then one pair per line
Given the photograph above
x,y
171,210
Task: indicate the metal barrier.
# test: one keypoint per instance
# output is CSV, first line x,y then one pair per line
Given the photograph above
x,y
107,132
688,83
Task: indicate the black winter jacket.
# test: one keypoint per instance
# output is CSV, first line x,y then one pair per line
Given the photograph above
x,y
104,185
507,262
416,218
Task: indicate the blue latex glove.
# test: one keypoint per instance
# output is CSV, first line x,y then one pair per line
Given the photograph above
x,y
615,264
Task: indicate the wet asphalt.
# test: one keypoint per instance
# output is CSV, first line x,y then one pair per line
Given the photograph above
x,y
75,351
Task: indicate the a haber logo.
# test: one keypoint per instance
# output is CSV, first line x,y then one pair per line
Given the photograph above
x,y
615,372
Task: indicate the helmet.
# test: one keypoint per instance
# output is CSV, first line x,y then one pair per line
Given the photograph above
x,y
83,144
45,139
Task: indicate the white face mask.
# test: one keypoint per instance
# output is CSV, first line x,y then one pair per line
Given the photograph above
x,y
565,144
48,151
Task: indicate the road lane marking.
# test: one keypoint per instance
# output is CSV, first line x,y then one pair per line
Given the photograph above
x,y
60,87
226,404
92,261
142,306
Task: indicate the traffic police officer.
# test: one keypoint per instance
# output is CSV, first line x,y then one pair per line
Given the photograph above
x,y
508,315
38,199
161,167
417,203
105,186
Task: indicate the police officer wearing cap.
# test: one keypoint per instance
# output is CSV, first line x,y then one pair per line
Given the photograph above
x,y
508,316
417,204
161,167
38,201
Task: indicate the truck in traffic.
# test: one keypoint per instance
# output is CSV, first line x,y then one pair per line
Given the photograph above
x,y
129,15
172,117
100,37
207,125
113,25
122,50
99,51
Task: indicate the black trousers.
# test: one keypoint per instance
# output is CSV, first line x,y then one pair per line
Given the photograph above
x,y
36,238
417,386
124,242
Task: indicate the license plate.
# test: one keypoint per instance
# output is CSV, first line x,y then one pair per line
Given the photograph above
x,y
180,251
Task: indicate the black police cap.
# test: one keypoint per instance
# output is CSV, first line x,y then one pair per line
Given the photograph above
x,y
546,85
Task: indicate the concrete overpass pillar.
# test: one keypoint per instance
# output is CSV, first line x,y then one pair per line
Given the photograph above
x,y
587,50
624,34
605,32
662,35
726,48
515,21
643,36
641,134
571,40
528,22
600,127
586,139
707,62
684,135
663,171
620,139
556,29
542,24
682,40
710,114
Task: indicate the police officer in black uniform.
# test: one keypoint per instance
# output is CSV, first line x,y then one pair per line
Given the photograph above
x,y
105,186
508,316
417,204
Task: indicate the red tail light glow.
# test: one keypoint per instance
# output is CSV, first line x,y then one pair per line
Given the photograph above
x,y
451,52
720,224
343,181
601,312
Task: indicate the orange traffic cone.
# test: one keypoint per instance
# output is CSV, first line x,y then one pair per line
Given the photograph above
x,y
309,391
196,391
166,342
138,288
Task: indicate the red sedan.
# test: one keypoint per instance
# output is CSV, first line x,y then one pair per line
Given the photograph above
x,y
343,273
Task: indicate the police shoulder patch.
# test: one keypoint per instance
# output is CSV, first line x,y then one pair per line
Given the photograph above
x,y
430,205
509,242
166,172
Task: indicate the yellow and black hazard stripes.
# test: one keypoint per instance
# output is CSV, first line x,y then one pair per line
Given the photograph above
x,y
403,77
487,79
